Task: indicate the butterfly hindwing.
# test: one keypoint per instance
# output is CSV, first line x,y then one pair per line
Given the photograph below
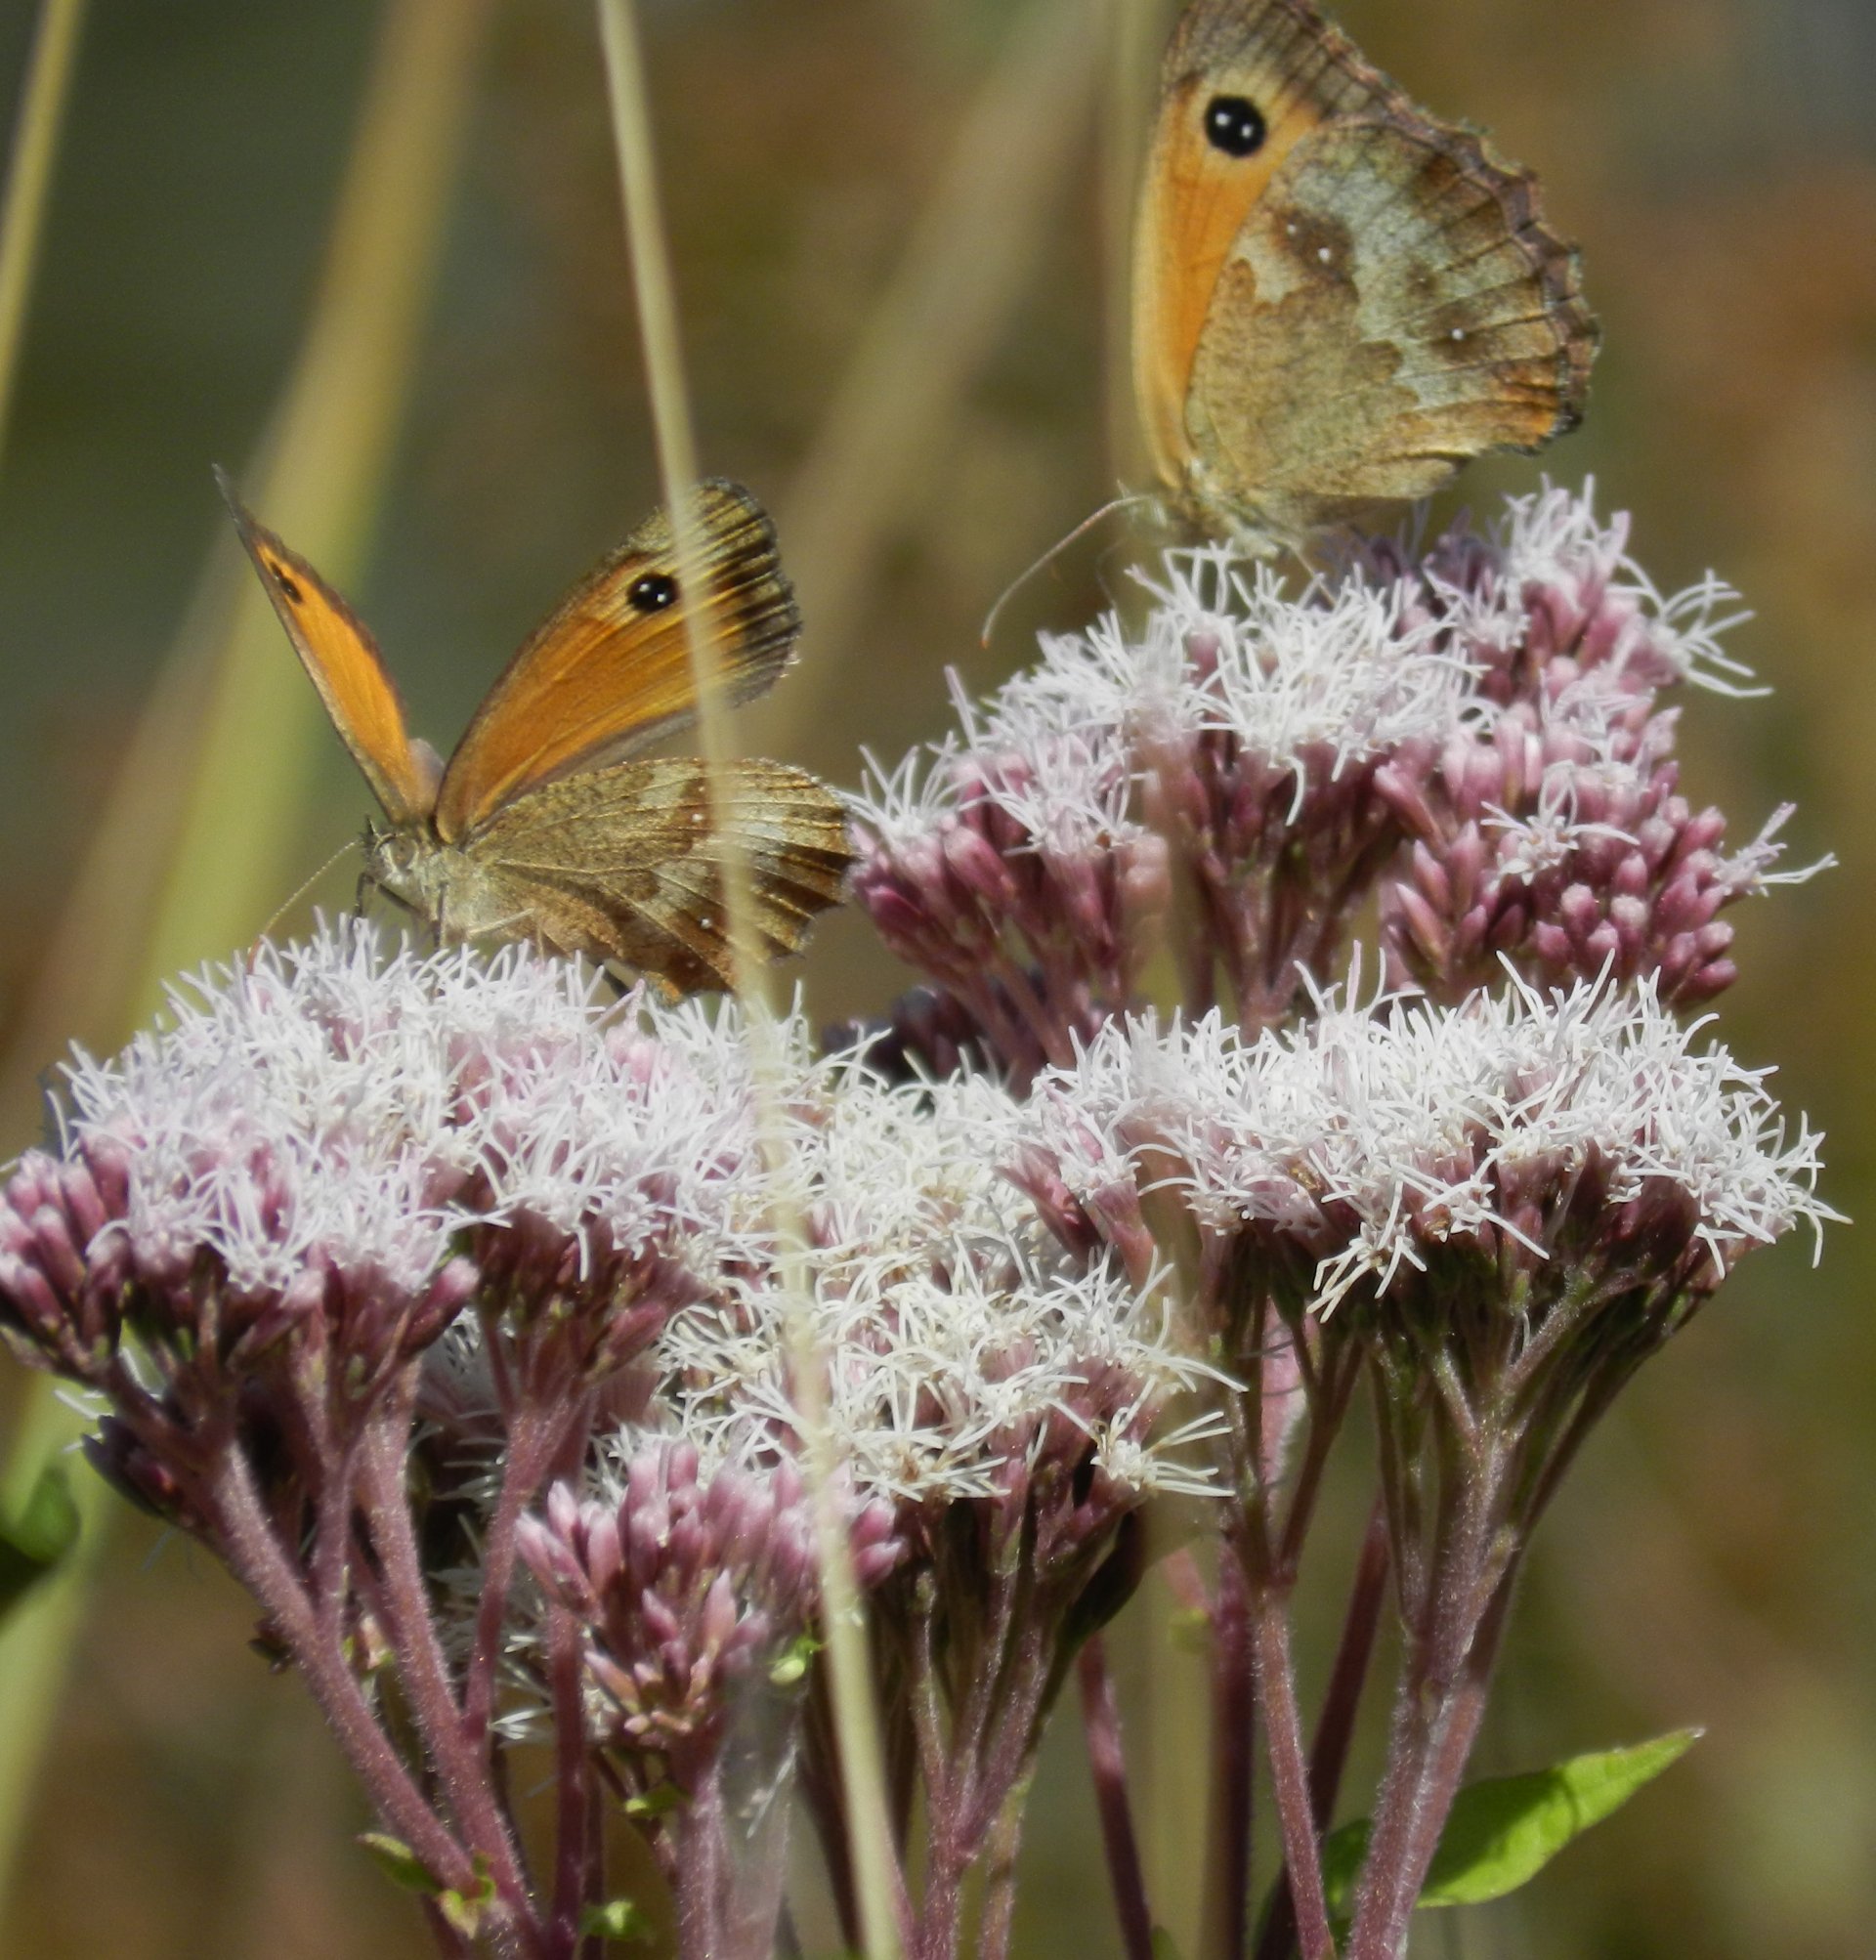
x,y
1338,298
1389,309
626,863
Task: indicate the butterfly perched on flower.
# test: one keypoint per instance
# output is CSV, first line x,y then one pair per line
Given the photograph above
x,y
546,824
1337,298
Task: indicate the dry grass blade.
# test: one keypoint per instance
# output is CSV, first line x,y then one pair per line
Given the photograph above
x,y
35,143
856,1720
327,457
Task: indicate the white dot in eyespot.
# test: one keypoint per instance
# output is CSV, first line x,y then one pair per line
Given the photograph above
x,y
1324,254
1459,333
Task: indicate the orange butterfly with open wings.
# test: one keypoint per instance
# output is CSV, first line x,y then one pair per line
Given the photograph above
x,y
542,826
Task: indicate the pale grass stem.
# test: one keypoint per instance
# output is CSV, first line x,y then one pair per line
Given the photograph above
x,y
36,144
856,1720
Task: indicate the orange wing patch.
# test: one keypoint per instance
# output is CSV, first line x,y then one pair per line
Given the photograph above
x,y
342,658
610,670
1241,86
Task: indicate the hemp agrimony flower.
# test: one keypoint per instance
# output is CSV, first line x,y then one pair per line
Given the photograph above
x,y
545,1360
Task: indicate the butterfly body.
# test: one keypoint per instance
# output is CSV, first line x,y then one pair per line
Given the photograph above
x,y
545,824
1339,299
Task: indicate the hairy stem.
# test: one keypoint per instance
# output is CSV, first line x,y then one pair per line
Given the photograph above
x,y
574,1773
1227,1864
1107,1767
1431,1706
422,1668
1336,1729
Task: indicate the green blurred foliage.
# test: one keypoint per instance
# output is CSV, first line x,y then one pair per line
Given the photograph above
x,y
1714,1559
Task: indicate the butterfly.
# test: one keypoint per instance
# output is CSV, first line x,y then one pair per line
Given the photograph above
x,y
541,826
1337,298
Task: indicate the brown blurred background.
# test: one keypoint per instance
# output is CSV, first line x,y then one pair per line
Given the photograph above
x,y
902,338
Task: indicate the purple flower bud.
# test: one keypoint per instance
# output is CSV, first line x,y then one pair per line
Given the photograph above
x,y
57,1254
977,867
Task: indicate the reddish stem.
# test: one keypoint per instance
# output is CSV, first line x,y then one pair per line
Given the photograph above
x,y
1276,1683
256,1559
1107,1765
1335,1729
574,1773
423,1670
1227,1864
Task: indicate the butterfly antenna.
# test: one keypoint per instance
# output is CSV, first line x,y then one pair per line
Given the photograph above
x,y
288,906
1053,552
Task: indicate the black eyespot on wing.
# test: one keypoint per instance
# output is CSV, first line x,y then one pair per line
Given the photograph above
x,y
1235,125
654,592
289,584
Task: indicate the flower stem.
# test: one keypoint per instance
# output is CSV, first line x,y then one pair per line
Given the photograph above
x,y
422,1670
1227,1875
255,1556
1107,1766
574,1773
999,1887
1336,1729
1438,1702
1276,1687
533,1441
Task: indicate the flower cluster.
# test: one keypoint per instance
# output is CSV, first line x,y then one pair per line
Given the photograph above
x,y
1474,732
687,1584
1569,1132
525,1346
1550,830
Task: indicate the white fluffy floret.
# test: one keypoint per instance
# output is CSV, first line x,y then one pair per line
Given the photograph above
x,y
1401,1125
951,1326
1306,685
337,1104
1553,545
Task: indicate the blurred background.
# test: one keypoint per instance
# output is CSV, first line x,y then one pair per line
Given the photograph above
x,y
895,224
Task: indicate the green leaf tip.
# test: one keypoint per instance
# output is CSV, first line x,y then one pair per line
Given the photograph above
x,y
400,1863
617,1919
39,1538
1504,1830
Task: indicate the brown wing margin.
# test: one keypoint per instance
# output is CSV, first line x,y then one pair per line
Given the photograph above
x,y
611,670
342,658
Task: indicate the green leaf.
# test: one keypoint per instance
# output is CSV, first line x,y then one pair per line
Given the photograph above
x,y
400,1864
463,1911
617,1919
790,1667
1163,1947
1503,1831
656,1801
40,1538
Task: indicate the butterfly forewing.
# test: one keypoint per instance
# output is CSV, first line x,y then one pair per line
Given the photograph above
x,y
345,665
1280,68
610,670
